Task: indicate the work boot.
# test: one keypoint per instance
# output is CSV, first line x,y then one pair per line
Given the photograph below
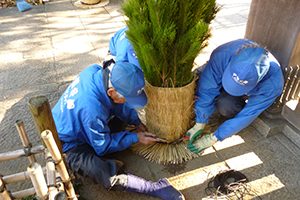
x,y
162,189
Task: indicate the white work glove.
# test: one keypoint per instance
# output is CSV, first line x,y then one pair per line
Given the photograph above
x,y
195,132
203,143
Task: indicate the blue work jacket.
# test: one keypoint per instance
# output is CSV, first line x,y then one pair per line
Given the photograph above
x,y
260,97
122,49
119,45
82,113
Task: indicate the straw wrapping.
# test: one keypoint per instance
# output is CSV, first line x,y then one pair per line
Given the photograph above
x,y
169,111
168,114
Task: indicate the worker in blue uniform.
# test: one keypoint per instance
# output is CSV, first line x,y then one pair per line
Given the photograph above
x,y
121,49
241,79
82,117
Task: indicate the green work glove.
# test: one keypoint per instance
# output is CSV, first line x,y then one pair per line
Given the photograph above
x,y
203,143
195,132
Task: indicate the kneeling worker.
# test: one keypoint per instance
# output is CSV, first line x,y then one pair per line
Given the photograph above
x,y
241,79
82,115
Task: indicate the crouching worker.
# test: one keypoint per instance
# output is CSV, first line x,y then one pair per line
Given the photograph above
x,y
241,79
121,49
82,115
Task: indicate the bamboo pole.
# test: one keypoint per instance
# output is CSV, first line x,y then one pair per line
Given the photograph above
x,y
38,180
42,116
22,176
25,141
61,167
23,193
20,153
51,176
4,195
50,166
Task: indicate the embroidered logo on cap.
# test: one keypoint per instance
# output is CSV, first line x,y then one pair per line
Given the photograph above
x,y
237,79
140,91
134,55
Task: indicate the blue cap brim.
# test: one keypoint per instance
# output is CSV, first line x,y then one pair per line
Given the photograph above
x,y
231,87
137,101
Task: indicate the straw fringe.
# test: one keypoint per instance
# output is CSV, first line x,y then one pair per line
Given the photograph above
x,y
163,153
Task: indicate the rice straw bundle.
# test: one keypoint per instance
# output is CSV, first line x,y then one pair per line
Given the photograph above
x,y
169,114
169,110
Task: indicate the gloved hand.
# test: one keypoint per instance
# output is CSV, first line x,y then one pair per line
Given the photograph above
x,y
195,132
203,143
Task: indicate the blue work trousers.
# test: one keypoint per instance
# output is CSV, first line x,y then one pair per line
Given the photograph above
x,y
83,160
229,105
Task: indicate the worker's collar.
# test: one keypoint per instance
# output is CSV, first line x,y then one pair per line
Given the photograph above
x,y
107,65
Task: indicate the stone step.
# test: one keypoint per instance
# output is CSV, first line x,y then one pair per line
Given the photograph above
x,y
276,126
269,126
292,133
290,145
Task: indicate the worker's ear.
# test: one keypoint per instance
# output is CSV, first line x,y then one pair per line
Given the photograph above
x,y
110,91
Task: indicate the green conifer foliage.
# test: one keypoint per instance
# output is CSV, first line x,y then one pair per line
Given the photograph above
x,y
167,35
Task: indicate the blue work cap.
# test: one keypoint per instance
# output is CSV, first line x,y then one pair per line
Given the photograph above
x,y
245,70
129,81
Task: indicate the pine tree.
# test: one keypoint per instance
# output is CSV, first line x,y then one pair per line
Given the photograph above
x,y
167,35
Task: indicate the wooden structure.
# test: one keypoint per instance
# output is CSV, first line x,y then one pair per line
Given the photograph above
x,y
50,190
60,165
44,188
275,25
41,113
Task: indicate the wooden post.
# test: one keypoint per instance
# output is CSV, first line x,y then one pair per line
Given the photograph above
x,y
25,141
280,31
61,167
41,113
275,24
38,180
4,195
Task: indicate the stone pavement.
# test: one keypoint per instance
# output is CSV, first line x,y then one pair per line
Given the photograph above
x,y
44,48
